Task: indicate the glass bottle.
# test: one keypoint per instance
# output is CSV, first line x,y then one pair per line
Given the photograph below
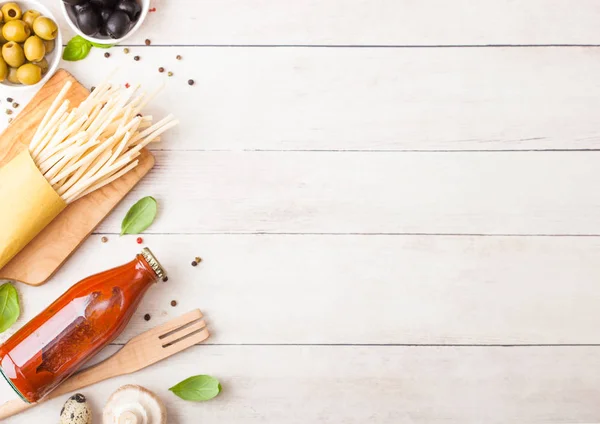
x,y
87,317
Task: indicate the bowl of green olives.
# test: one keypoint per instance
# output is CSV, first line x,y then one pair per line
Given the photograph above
x,y
105,21
30,43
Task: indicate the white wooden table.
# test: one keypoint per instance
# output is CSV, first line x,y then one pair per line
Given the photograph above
x,y
396,202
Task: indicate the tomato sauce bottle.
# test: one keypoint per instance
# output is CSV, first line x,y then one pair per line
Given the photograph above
x,y
87,317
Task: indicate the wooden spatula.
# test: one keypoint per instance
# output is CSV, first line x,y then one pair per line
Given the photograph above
x,y
141,351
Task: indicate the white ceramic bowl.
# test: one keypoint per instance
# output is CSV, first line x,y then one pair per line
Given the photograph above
x,y
53,58
70,18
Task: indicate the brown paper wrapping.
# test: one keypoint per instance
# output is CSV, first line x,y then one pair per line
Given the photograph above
x,y
27,204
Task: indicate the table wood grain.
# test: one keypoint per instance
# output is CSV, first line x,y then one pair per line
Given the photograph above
x,y
394,201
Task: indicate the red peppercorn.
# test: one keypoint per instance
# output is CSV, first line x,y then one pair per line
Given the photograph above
x,y
139,240
127,85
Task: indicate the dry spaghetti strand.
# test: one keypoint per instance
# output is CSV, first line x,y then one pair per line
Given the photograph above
x,y
83,149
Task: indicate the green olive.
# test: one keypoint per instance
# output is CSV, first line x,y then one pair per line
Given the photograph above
x,y
43,64
11,11
12,75
29,74
17,31
2,39
30,16
3,69
34,49
13,54
49,45
45,28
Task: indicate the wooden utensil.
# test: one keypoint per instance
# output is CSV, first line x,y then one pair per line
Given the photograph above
x,y
141,351
47,252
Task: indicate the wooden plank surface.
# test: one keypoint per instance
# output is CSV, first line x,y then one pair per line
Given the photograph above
x,y
539,193
387,196
375,22
51,248
401,289
350,384
367,99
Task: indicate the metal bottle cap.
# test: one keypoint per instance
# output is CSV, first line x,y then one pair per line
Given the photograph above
x,y
153,262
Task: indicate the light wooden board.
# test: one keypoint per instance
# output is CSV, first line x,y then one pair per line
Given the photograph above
x,y
540,193
380,384
374,22
367,99
360,289
51,248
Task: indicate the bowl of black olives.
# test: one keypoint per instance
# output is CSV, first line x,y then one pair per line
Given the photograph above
x,y
30,43
105,21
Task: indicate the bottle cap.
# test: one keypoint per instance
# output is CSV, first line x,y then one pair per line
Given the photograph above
x,y
153,262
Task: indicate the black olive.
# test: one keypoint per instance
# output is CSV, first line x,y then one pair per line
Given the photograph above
x,y
104,4
88,19
131,7
105,14
75,2
118,24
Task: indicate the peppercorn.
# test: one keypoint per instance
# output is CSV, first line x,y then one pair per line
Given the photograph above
x,y
148,42
165,279
194,263
139,115
139,240
107,54
161,69
178,57
136,58
104,239
170,74
173,303
147,317
9,112
15,105
92,89
126,50
198,259
9,99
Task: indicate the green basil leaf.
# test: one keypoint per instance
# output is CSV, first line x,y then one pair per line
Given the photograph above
x,y
78,48
140,216
9,306
102,46
197,388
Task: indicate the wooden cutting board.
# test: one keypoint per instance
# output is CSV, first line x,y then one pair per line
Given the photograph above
x,y
50,249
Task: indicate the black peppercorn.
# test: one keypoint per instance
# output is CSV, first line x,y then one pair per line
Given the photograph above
x,y
148,42
178,57
136,58
161,69
147,317
194,263
191,82
9,100
107,54
173,303
165,279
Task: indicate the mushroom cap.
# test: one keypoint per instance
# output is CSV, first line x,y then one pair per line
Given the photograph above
x,y
133,404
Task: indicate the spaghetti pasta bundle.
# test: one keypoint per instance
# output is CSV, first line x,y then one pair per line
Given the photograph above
x,y
73,153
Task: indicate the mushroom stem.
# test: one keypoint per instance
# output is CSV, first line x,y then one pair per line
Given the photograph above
x,y
128,417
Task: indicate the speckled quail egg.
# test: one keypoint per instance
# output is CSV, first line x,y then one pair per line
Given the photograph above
x,y
76,411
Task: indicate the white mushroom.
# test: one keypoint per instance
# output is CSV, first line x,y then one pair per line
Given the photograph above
x,y
134,405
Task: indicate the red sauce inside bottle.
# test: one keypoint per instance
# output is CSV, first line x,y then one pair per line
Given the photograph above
x,y
57,342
